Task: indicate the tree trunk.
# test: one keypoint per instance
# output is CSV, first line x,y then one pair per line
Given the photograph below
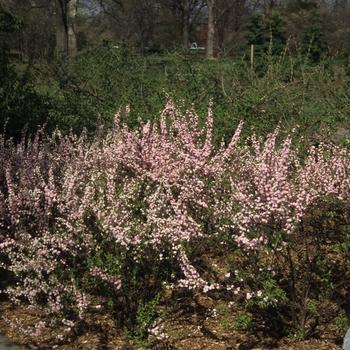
x,y
66,11
61,26
186,20
268,7
211,29
72,26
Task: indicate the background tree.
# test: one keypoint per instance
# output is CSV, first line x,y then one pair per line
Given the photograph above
x,y
36,38
276,33
211,29
47,24
136,22
224,23
146,16
8,23
189,15
266,34
20,102
314,43
151,23
255,34
230,16
336,28
186,22
66,14
157,23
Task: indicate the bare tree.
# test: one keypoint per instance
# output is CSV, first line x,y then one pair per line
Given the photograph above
x,y
230,15
146,16
190,15
132,20
72,26
186,22
224,23
211,29
66,14
45,18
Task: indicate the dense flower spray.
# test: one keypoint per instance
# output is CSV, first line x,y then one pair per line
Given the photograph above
x,y
77,215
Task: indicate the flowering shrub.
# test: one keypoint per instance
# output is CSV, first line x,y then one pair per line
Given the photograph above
x,y
110,224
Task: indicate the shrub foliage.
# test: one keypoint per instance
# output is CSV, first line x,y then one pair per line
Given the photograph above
x,y
110,224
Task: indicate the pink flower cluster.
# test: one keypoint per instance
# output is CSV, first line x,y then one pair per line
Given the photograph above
x,y
268,191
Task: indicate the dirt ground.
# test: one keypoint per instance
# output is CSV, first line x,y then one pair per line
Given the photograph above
x,y
191,327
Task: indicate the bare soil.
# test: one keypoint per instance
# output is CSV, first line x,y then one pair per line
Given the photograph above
x,y
191,326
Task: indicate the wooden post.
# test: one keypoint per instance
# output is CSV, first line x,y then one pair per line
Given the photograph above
x,y
251,56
